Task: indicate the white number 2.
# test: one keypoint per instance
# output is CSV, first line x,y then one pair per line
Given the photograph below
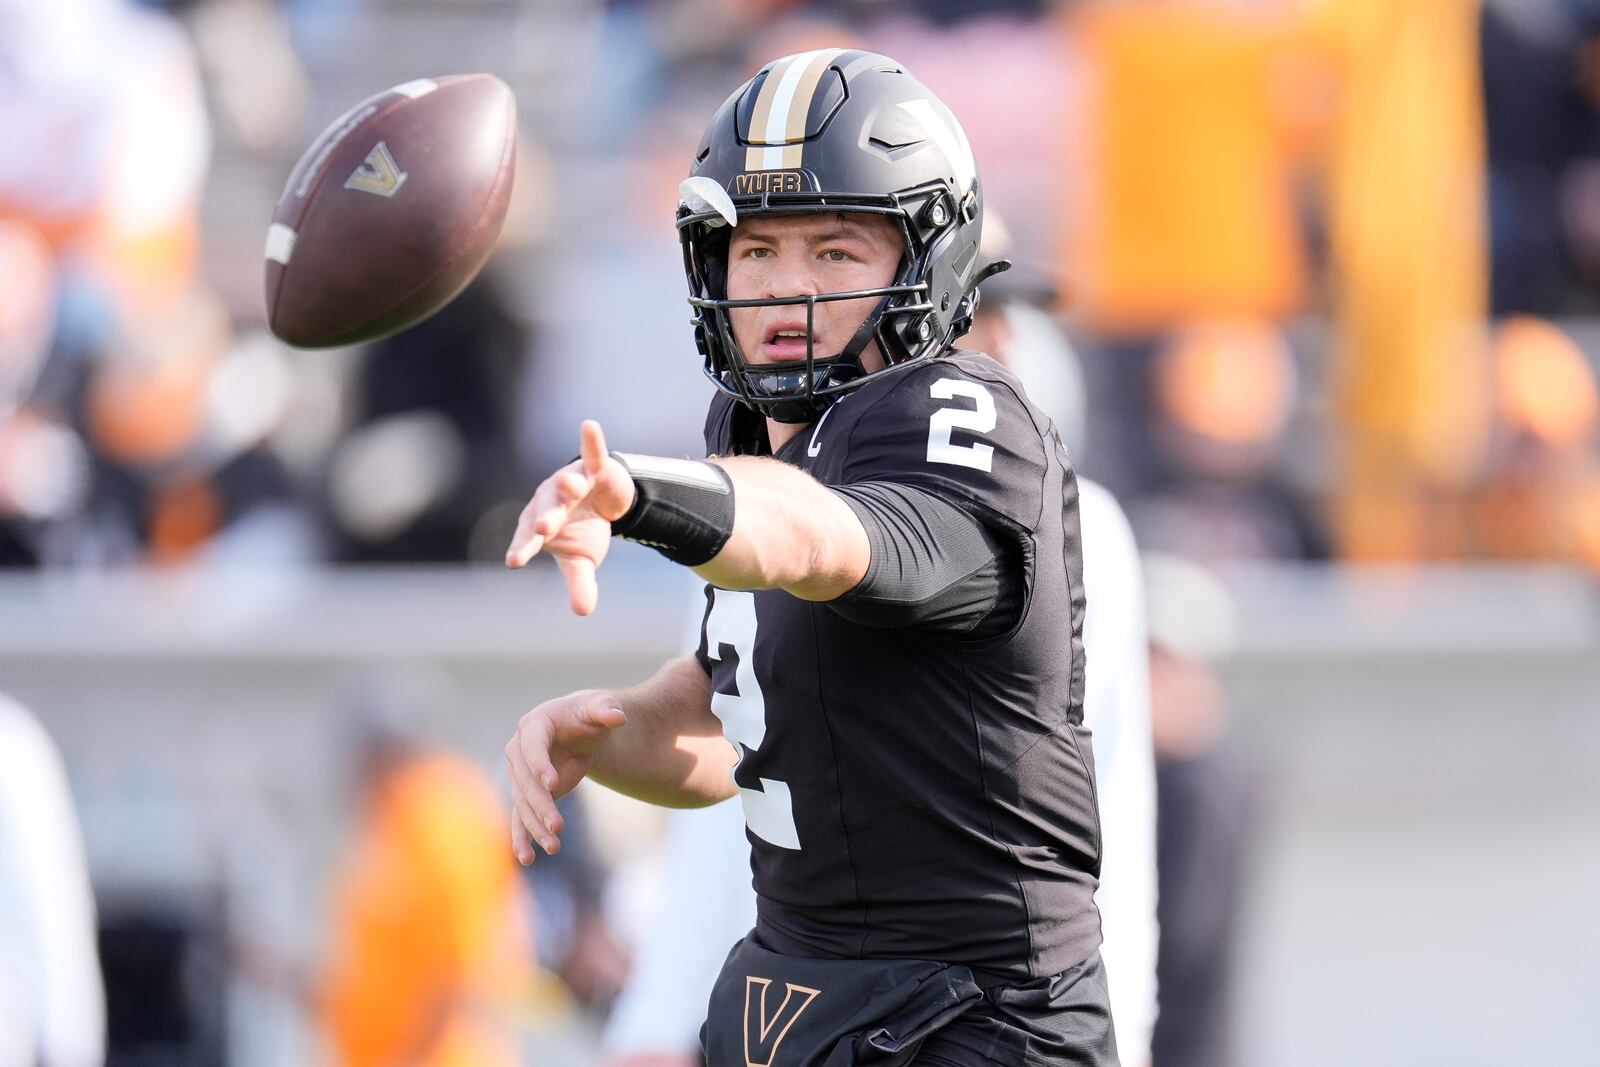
x,y
768,811
980,419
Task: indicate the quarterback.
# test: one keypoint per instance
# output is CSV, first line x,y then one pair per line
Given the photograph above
x,y
890,672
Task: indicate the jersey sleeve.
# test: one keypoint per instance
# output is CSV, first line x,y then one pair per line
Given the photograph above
x,y
702,652
934,565
962,430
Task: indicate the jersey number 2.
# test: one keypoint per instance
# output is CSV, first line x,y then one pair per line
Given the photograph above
x,y
768,811
980,419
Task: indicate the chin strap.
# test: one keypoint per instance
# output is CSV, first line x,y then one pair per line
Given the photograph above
x,y
969,300
868,330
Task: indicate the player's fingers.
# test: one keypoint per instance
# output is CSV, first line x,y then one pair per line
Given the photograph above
x,y
572,486
594,448
604,713
582,590
534,782
522,816
519,822
552,520
525,543
528,538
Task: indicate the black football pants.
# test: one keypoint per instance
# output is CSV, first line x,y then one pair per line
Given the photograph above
x,y
1065,1021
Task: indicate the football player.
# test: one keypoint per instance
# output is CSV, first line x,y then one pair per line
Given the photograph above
x,y
890,672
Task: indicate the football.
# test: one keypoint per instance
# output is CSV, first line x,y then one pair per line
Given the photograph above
x,y
391,211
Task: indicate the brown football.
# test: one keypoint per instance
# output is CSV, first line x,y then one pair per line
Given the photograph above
x,y
392,211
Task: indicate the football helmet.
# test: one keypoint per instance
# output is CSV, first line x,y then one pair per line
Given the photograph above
x,y
827,131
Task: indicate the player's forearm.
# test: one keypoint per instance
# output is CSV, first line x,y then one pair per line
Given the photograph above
x,y
671,752
789,532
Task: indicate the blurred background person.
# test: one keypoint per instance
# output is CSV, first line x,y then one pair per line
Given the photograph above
x,y
1205,820
1544,446
1177,163
52,1002
178,413
43,462
1222,401
427,946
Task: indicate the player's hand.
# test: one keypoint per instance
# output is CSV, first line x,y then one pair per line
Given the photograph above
x,y
552,750
570,517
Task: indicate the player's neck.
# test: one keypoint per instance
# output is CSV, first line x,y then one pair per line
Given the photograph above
x,y
781,433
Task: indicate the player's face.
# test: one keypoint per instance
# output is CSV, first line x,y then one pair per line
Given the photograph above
x,y
808,255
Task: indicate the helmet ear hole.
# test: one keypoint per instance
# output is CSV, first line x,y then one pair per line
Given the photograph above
x,y
716,266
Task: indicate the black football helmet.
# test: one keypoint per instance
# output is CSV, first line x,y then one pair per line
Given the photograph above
x,y
826,131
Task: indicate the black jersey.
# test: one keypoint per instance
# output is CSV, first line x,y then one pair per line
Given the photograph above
x,y
909,794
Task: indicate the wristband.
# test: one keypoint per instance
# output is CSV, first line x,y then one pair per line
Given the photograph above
x,y
682,508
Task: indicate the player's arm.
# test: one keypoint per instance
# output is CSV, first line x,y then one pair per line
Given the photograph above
x,y
656,741
882,554
671,752
788,531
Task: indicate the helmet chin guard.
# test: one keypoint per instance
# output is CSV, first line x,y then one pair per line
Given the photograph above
x,y
798,391
826,132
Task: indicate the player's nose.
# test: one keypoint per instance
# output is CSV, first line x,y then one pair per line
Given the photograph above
x,y
791,275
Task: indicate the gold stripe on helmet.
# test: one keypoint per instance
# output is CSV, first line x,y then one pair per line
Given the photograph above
x,y
779,124
763,111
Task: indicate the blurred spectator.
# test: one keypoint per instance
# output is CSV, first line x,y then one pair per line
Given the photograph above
x,y
1223,393
1178,160
576,939
52,1002
427,946
43,464
1184,200
108,96
177,413
1205,819
1406,222
424,474
1544,455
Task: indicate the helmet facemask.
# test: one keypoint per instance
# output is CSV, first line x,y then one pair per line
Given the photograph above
x,y
902,322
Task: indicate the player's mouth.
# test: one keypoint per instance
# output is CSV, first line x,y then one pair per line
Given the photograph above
x,y
784,342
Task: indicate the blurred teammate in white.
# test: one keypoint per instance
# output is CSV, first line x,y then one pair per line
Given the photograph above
x,y
52,1000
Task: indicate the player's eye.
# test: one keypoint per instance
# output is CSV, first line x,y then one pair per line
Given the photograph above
x,y
837,255
756,252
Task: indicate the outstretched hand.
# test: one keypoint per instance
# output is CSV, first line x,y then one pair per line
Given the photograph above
x,y
570,517
552,750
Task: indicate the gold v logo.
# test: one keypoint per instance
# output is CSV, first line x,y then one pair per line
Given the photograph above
x,y
764,1031
377,173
